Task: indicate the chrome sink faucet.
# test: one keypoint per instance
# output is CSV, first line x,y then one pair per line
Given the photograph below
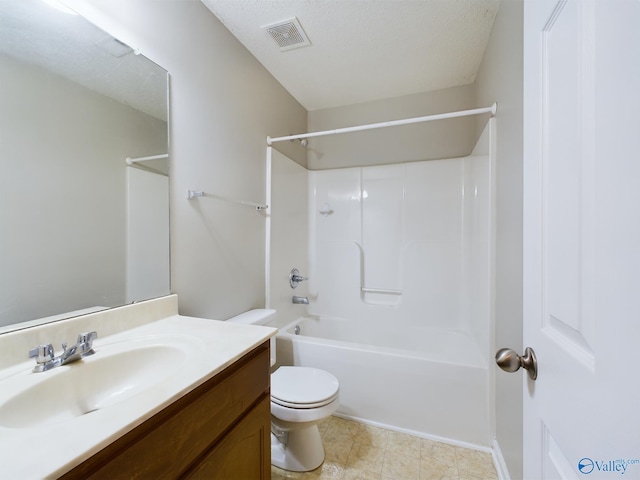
x,y
46,359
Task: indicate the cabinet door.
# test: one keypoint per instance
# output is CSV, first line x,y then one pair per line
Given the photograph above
x,y
244,453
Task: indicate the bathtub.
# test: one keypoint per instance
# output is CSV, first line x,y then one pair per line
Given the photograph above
x,y
425,381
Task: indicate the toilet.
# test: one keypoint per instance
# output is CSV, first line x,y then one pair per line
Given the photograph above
x,y
301,397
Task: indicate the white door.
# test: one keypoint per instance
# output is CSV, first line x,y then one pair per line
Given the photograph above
x,y
582,238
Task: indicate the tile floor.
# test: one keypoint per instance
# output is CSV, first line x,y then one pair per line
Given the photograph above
x,y
355,451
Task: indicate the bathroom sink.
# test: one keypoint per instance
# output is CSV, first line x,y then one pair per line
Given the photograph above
x,y
114,373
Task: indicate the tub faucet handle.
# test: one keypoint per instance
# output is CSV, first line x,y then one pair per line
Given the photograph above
x,y
295,278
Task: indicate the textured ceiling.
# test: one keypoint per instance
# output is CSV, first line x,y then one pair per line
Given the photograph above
x,y
69,46
364,50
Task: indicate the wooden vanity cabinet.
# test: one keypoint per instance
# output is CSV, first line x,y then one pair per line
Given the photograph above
x,y
220,430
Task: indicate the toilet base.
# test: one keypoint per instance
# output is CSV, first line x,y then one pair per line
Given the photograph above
x,y
302,452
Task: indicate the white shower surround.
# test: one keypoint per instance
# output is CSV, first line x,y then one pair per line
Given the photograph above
x,y
422,232
419,230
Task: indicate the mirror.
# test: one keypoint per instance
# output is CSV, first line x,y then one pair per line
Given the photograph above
x,y
80,228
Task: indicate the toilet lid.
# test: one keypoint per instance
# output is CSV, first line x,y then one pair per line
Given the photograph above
x,y
303,386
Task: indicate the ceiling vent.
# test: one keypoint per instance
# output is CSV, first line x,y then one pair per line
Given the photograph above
x,y
288,34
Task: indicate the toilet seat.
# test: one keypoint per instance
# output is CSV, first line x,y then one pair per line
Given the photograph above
x,y
303,405
294,417
303,387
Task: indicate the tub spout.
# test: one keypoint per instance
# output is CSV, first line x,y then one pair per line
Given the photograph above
x,y
300,300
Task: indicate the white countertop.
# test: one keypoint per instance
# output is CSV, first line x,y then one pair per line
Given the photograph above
x,y
52,449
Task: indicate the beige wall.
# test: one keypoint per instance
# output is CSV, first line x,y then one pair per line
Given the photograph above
x,y
223,106
500,79
424,141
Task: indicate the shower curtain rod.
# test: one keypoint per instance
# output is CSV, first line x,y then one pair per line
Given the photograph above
x,y
137,163
464,113
131,161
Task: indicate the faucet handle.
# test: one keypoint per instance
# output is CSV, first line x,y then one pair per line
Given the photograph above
x,y
85,342
295,278
42,353
87,337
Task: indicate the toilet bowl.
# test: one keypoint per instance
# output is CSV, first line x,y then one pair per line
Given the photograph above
x,y
301,397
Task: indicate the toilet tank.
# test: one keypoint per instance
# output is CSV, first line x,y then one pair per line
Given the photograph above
x,y
259,316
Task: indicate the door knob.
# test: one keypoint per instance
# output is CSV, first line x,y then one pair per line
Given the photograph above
x,y
509,361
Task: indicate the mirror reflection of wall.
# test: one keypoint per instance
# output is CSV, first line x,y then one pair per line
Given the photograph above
x,y
78,229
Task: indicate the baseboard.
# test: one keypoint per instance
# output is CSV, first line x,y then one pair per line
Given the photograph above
x,y
498,461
